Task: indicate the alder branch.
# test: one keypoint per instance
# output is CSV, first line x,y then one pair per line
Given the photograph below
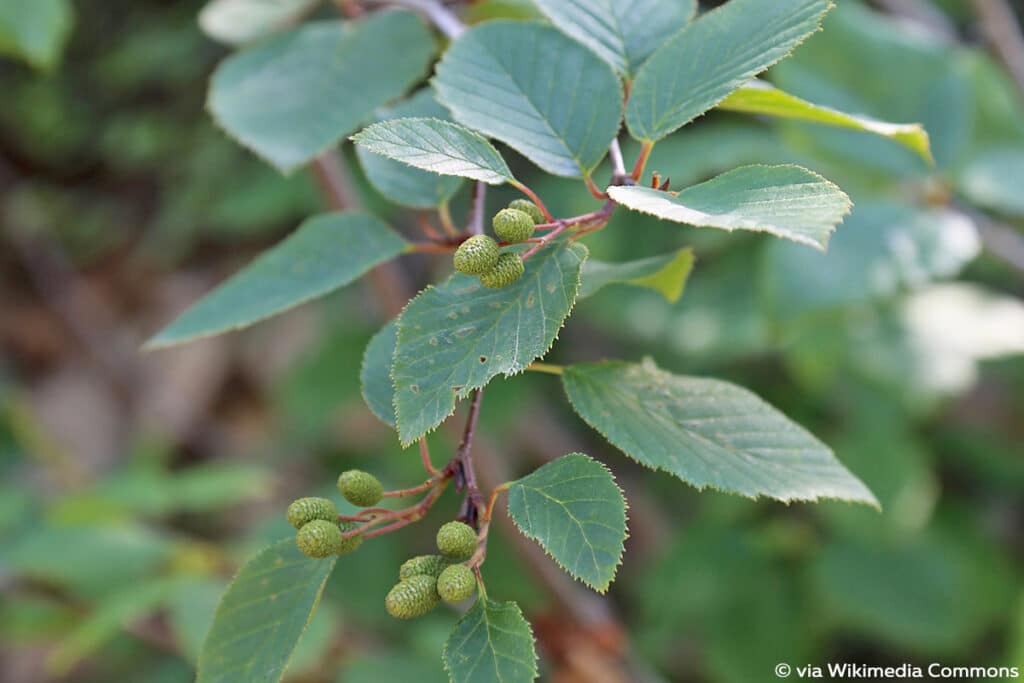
x,y
472,506
439,15
476,216
389,286
1002,31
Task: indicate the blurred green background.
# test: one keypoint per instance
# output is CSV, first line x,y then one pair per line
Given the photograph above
x,y
133,484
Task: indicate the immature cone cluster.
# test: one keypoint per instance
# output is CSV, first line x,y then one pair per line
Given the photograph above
x,y
305,510
360,488
507,270
456,541
320,534
481,255
456,583
425,580
513,225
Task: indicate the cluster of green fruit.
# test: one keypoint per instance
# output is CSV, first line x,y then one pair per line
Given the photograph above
x,y
319,532
426,580
481,255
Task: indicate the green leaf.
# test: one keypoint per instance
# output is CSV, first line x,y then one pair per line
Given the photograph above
x,y
35,31
707,433
296,95
508,80
492,643
234,22
666,274
574,509
622,33
323,254
375,376
436,146
456,337
714,56
992,180
758,97
262,616
399,182
786,201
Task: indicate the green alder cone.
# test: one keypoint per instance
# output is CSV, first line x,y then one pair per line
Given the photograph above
x,y
513,225
360,488
456,583
319,539
529,208
477,255
305,510
507,270
412,597
456,541
426,565
352,543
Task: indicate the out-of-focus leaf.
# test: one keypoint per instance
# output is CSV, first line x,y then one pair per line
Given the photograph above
x,y
492,643
35,31
240,21
707,433
399,182
92,559
201,488
993,181
325,252
575,510
292,97
437,146
758,97
457,336
932,342
925,596
624,34
190,613
883,248
393,666
665,274
786,201
124,607
375,376
263,615
715,55
507,80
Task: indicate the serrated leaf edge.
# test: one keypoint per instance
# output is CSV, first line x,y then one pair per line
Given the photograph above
x,y
829,7
359,137
305,626
873,502
800,239
465,391
529,627
625,505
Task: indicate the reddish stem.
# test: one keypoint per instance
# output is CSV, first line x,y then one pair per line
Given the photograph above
x,y
536,200
641,161
425,457
594,189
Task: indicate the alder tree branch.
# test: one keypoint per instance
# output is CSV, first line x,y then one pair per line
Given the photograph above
x,y
473,505
1002,31
439,15
389,286
476,215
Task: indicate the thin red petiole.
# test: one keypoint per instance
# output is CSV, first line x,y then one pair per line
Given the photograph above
x,y
533,197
